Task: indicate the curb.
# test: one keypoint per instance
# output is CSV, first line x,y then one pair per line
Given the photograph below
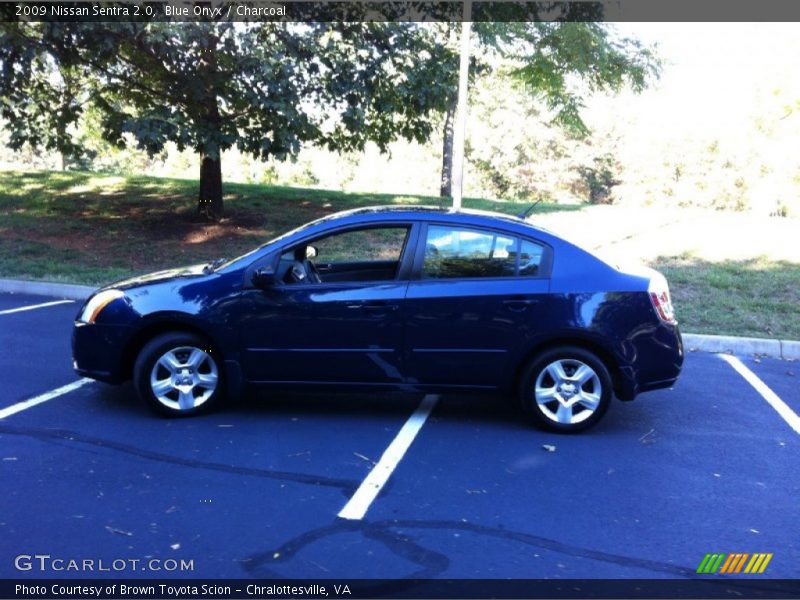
x,y
786,349
45,288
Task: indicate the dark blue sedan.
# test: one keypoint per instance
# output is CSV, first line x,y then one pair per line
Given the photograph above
x,y
392,298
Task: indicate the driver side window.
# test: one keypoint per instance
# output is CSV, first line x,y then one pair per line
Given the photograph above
x,y
370,254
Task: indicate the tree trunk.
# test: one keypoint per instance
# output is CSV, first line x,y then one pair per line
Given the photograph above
x,y
209,202
446,189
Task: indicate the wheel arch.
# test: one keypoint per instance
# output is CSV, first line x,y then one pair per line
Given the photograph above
x,y
594,346
159,324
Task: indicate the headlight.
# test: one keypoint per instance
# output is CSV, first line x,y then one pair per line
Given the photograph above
x,y
97,303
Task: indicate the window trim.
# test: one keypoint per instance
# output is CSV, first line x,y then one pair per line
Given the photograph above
x,y
545,266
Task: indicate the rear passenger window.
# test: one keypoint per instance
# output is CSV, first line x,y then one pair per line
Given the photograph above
x,y
453,252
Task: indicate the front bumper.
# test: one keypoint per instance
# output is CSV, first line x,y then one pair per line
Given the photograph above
x,y
97,351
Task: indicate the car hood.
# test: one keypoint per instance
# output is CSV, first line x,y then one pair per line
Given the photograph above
x,y
158,277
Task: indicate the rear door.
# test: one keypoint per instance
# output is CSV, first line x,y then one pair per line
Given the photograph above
x,y
473,301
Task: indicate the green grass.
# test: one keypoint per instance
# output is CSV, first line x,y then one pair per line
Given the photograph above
x,y
757,297
94,228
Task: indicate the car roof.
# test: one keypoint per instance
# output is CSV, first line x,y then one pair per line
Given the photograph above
x,y
388,213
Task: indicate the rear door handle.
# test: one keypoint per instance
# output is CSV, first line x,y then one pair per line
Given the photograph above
x,y
519,304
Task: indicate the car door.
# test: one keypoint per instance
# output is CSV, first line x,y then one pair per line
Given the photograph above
x,y
346,328
471,304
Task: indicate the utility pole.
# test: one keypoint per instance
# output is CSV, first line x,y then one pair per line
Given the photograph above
x,y
460,133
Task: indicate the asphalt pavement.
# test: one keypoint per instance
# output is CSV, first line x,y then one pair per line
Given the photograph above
x,y
254,490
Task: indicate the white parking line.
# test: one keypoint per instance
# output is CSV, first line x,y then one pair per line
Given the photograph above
x,y
359,504
771,397
26,404
34,306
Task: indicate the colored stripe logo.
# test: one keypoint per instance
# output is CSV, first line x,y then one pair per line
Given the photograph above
x,y
736,562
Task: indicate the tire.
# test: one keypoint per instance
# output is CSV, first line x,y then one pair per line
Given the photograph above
x,y
190,374
574,387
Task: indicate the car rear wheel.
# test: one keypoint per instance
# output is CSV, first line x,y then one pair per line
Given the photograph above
x,y
566,389
177,374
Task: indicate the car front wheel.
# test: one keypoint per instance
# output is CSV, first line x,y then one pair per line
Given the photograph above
x,y
566,389
177,374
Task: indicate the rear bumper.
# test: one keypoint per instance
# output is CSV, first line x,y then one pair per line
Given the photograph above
x,y
657,360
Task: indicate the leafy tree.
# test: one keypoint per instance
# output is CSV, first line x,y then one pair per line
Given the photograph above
x,y
265,88
49,101
558,62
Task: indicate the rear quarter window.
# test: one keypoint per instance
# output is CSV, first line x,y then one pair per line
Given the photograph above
x,y
530,258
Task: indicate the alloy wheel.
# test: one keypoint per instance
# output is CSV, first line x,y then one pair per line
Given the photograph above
x,y
184,378
568,391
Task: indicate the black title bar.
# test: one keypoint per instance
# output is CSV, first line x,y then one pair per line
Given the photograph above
x,y
396,10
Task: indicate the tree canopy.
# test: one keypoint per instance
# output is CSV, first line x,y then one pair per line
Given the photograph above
x,y
269,88
560,62
265,88
564,62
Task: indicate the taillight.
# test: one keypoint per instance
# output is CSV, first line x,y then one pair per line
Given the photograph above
x,y
659,296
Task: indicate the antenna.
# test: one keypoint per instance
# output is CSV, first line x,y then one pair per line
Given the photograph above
x,y
524,214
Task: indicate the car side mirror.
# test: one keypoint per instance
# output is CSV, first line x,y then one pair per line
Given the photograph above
x,y
311,252
263,277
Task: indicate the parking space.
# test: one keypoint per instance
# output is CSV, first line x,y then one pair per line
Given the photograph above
x,y
254,490
35,343
661,480
782,377
22,302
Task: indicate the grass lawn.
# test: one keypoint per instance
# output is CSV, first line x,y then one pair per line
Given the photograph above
x,y
92,228
755,297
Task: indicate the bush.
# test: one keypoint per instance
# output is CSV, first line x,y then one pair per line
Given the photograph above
x,y
597,181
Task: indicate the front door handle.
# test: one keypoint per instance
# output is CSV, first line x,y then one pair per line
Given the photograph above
x,y
375,306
